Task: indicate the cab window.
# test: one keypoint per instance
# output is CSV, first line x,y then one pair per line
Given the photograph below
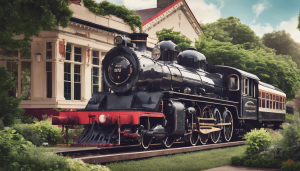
x,y
246,86
233,82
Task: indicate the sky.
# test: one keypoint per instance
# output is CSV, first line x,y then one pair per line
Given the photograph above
x,y
263,16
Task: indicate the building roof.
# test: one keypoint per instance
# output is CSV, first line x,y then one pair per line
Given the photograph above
x,y
147,15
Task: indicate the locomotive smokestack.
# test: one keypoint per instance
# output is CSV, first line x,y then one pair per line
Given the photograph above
x,y
140,40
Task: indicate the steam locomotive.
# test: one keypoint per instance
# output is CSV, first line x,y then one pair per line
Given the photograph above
x,y
172,96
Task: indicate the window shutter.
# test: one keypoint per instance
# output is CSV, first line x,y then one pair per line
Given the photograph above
x,y
88,54
62,48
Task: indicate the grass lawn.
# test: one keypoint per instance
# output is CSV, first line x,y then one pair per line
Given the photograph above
x,y
193,161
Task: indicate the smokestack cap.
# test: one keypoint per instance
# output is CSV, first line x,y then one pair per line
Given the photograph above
x,y
138,36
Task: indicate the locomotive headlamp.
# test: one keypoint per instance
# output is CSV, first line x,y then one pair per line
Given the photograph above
x,y
102,118
121,40
118,40
156,53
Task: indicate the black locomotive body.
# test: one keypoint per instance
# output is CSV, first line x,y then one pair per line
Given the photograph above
x,y
172,96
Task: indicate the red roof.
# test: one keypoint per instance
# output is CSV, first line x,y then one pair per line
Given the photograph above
x,y
147,15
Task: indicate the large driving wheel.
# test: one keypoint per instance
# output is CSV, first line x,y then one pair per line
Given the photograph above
x,y
168,141
228,129
205,114
215,136
146,141
194,138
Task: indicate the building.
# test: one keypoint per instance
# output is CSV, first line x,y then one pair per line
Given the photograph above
x,y
64,68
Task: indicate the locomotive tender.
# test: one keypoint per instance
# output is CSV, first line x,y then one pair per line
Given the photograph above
x,y
172,96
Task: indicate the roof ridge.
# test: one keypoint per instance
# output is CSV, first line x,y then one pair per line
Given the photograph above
x,y
145,9
161,12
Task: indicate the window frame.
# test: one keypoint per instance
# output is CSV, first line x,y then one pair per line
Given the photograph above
x,y
72,73
18,59
237,83
246,87
99,66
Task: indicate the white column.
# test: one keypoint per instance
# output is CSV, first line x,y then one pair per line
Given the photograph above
x,y
58,74
86,75
37,72
101,56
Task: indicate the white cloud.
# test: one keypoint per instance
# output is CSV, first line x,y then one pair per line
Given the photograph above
x,y
206,13
290,27
139,4
259,8
260,30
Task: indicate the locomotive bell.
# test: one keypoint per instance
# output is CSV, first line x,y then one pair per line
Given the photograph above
x,y
192,58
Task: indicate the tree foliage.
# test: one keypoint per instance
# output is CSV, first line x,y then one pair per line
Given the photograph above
x,y
283,44
28,18
230,30
9,105
181,40
106,8
278,70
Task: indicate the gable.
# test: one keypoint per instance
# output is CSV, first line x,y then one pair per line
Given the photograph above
x,y
177,15
179,21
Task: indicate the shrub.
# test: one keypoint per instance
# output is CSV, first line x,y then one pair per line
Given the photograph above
x,y
238,161
28,132
289,118
275,136
51,133
9,105
77,164
256,139
290,165
258,161
28,119
290,135
18,154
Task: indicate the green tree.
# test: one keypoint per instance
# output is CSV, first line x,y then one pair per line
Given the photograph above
x,y
9,105
283,44
278,70
230,30
181,40
106,8
28,18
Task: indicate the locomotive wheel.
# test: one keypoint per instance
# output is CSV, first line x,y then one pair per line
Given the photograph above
x,y
205,114
168,141
194,138
215,136
146,141
228,129
203,138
